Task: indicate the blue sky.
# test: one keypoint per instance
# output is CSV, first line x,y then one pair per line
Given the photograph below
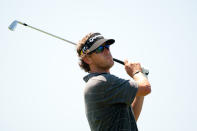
x,y
41,84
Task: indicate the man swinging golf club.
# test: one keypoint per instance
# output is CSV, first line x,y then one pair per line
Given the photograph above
x,y
112,103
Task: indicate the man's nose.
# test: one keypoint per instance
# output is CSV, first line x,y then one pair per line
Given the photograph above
x,y
106,50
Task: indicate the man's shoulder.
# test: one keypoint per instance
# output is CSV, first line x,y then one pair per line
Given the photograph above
x,y
101,77
96,83
98,77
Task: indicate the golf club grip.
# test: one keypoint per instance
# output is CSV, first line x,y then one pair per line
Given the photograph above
x,y
144,71
118,61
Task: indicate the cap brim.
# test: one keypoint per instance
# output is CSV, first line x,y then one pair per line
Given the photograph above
x,y
100,42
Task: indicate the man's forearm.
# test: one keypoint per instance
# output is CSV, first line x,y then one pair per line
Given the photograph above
x,y
144,86
137,106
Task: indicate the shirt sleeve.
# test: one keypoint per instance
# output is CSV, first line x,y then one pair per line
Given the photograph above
x,y
119,90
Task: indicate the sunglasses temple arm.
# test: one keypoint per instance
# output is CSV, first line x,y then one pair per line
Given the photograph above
x,y
118,61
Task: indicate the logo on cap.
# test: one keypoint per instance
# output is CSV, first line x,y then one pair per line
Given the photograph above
x,y
93,38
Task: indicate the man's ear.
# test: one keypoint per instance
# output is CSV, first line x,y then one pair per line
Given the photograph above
x,y
87,60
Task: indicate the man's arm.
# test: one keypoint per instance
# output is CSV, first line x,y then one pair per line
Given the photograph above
x,y
138,101
137,106
134,70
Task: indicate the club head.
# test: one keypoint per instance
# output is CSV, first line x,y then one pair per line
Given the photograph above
x,y
13,25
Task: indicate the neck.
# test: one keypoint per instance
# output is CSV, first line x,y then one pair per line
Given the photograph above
x,y
96,70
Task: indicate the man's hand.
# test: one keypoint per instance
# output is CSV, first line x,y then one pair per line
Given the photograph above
x,y
132,68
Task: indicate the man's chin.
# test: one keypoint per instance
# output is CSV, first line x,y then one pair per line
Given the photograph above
x,y
110,64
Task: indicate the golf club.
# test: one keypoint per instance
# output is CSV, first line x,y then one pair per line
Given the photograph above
x,y
14,24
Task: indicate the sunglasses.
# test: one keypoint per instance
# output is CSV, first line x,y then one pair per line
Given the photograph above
x,y
100,49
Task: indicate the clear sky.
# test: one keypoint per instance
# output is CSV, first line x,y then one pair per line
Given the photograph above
x,y
41,85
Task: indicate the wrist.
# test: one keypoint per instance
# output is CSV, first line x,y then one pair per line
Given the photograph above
x,y
136,72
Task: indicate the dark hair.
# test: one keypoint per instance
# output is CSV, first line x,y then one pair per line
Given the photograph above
x,y
80,45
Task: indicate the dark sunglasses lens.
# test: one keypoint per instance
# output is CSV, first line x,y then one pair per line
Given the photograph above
x,y
107,46
100,49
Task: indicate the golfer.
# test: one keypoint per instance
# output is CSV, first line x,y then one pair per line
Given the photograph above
x,y
111,103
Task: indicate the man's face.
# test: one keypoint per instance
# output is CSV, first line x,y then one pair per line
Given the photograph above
x,y
102,60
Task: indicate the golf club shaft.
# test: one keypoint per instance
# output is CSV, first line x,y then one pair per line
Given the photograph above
x,y
118,61
145,71
24,24
46,33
